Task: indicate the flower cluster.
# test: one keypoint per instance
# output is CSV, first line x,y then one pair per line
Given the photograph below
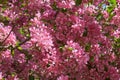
x,y
59,40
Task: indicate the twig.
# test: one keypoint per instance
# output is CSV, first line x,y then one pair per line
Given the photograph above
x,y
8,35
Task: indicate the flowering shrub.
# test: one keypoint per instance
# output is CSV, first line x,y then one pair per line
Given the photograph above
x,y
59,40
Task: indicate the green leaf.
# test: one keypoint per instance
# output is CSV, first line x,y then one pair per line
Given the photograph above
x,y
48,65
64,10
55,27
3,4
3,1
12,52
17,43
31,77
23,5
13,74
70,48
4,19
85,33
112,2
91,58
117,40
87,47
105,68
78,2
91,1
117,43
111,15
20,48
54,6
37,79
110,9
107,78
112,63
3,78
112,5
99,16
22,31
27,35
25,11
61,48
28,57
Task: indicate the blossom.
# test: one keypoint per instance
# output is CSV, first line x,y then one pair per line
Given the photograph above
x,y
60,39
7,36
62,77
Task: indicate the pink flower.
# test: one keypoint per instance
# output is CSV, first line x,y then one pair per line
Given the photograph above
x,y
7,36
62,77
1,76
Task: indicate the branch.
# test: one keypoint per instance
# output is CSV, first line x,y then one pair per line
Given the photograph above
x,y
7,35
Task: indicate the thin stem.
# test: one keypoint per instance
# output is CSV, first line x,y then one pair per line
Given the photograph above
x,y
8,35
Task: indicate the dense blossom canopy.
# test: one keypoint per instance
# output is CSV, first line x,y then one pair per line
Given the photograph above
x,y
59,39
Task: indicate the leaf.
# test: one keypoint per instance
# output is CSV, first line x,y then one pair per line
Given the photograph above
x,y
3,1
37,79
12,52
17,43
55,27
3,4
91,1
13,74
111,16
117,43
78,2
91,58
105,68
20,48
87,47
27,35
70,48
85,33
3,78
22,31
99,16
112,63
31,77
54,6
4,19
113,2
111,6
117,40
110,9
61,48
107,78
48,65
63,10
23,5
